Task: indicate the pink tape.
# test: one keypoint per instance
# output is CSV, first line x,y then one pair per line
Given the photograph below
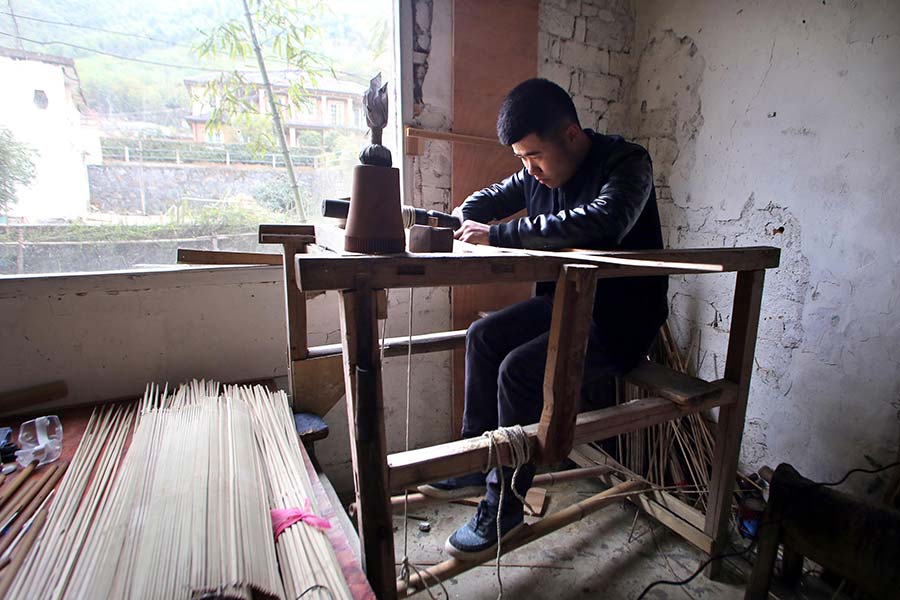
x,y
282,518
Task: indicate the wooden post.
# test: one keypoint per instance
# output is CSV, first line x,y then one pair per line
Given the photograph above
x,y
569,329
730,428
295,307
368,447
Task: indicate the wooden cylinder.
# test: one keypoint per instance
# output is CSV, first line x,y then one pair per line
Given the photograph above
x,y
375,223
7,492
418,500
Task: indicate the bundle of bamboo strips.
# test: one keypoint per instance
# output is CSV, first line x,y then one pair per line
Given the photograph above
x,y
187,511
46,571
306,557
673,454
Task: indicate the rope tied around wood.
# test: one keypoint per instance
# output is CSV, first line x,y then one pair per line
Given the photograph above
x,y
519,454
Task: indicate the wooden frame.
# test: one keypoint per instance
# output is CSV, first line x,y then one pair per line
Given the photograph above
x,y
376,474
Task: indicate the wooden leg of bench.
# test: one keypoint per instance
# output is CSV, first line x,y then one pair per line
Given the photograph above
x,y
730,428
569,329
365,412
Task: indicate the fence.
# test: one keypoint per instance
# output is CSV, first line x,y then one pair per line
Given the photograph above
x,y
167,151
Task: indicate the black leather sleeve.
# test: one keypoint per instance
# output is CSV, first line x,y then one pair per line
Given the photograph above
x,y
496,201
600,222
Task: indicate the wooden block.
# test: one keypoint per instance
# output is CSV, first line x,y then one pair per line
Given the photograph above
x,y
430,239
569,327
670,384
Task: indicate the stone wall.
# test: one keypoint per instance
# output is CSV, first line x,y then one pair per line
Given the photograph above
x,y
116,187
585,47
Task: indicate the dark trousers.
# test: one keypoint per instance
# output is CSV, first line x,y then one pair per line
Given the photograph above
x,y
506,353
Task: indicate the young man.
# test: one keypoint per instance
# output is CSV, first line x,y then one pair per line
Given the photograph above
x,y
581,189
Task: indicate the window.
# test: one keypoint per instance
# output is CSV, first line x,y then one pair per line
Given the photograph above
x,y
337,113
127,167
40,99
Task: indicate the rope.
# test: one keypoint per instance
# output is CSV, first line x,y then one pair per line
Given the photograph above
x,y
405,564
519,454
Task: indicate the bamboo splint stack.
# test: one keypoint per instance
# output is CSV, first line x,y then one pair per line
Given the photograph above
x,y
306,556
186,512
676,454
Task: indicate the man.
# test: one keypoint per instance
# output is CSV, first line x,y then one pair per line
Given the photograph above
x,y
581,189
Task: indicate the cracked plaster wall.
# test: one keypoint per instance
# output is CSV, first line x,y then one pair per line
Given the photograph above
x,y
776,123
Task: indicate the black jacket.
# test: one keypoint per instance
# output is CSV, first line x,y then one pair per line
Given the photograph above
x,y
609,202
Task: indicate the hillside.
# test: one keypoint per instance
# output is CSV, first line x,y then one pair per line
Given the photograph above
x,y
132,56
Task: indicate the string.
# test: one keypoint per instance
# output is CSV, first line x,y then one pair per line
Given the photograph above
x,y
519,454
405,564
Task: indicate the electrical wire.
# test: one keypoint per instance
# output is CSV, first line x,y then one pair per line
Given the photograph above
x,y
111,54
93,28
752,544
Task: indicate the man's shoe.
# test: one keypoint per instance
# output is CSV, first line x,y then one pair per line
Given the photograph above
x,y
456,487
477,539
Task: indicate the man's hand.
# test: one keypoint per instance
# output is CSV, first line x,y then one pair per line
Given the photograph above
x,y
473,233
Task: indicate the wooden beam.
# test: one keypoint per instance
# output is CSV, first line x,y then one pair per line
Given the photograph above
x,y
282,229
449,136
681,518
217,257
470,455
671,384
570,325
525,535
730,427
397,346
365,416
417,499
321,272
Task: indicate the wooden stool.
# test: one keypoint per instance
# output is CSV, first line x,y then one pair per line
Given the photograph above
x,y
855,538
311,428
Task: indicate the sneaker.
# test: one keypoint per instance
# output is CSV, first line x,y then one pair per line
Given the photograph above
x,y
456,487
477,539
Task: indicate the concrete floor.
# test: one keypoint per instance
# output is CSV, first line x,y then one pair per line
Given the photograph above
x,y
598,557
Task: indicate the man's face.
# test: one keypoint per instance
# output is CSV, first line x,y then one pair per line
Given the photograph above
x,y
552,160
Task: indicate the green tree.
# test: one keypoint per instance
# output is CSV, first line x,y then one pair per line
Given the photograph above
x,y
16,167
270,29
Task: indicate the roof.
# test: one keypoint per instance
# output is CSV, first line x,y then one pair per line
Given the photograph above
x,y
37,56
288,77
70,74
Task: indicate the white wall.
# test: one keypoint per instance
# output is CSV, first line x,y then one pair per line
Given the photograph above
x,y
60,186
777,123
107,335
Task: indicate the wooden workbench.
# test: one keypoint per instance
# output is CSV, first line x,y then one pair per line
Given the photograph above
x,y
359,278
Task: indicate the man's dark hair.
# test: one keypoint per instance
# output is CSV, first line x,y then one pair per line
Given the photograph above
x,y
534,106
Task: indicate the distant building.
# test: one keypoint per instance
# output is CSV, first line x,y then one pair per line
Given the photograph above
x,y
331,104
42,106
